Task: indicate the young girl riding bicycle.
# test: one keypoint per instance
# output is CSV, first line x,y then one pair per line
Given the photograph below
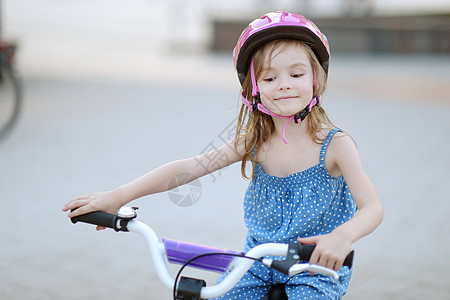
x,y
307,183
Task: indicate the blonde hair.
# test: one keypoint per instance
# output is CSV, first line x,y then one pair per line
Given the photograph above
x,y
255,128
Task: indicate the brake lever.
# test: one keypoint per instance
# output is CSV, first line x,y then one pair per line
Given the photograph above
x,y
299,268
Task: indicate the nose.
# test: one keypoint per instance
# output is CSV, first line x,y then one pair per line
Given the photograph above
x,y
284,86
284,83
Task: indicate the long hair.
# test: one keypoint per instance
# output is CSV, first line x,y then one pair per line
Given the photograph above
x,y
255,128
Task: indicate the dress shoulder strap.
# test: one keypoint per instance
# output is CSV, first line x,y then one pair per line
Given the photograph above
x,y
253,153
327,140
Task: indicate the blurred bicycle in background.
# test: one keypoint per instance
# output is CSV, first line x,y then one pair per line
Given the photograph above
x,y
10,92
10,89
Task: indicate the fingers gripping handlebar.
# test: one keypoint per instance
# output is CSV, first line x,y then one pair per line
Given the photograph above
x,y
305,252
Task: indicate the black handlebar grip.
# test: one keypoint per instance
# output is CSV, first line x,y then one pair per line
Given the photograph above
x,y
305,252
97,218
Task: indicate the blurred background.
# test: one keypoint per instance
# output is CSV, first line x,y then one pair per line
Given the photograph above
x,y
113,89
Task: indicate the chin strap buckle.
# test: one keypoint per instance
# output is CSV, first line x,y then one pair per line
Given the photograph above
x,y
302,115
256,101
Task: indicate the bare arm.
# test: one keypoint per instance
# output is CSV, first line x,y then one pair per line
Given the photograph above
x,y
370,211
332,248
156,181
186,170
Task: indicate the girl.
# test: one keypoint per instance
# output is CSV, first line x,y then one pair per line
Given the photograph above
x,y
307,180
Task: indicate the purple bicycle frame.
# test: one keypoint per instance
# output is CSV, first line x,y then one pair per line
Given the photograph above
x,y
178,252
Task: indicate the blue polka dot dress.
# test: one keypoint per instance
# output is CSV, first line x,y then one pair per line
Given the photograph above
x,y
281,209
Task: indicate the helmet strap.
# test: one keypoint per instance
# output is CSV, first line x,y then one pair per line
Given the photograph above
x,y
302,115
255,91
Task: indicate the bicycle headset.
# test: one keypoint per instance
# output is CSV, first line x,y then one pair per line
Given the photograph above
x,y
273,26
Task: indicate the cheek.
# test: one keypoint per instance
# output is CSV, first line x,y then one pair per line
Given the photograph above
x,y
306,87
265,98
264,91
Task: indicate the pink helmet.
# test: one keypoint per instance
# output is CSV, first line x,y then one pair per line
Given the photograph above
x,y
278,25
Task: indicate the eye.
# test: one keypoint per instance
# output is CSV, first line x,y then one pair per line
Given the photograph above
x,y
269,79
297,75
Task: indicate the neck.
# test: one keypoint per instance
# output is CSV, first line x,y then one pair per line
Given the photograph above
x,y
294,131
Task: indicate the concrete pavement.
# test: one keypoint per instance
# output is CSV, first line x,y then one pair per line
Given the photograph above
x,y
98,112
81,135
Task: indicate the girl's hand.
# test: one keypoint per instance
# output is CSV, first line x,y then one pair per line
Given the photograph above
x,y
331,249
102,201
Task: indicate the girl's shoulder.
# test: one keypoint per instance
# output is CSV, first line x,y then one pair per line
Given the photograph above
x,y
339,135
341,149
340,141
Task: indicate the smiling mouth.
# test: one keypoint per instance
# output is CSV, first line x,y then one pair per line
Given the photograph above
x,y
285,98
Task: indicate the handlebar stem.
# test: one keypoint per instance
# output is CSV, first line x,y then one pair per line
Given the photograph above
x,y
239,266
156,251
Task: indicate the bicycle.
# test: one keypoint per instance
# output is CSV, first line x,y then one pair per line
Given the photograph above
x,y
210,258
10,89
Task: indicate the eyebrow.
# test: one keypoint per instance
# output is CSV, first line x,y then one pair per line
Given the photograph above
x,y
299,64
291,66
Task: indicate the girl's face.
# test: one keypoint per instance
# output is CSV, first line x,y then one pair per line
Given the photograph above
x,y
286,81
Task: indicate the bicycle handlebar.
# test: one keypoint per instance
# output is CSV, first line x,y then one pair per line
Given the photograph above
x,y
110,221
97,218
238,266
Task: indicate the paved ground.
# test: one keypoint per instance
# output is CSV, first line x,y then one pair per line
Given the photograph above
x,y
77,136
95,118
